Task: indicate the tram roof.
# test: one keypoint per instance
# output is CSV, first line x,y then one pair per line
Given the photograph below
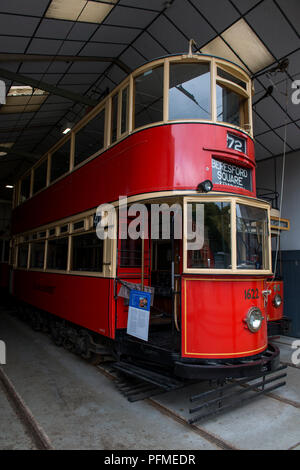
x,y
76,50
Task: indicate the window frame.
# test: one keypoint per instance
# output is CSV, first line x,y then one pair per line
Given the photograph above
x,y
81,125
234,201
109,245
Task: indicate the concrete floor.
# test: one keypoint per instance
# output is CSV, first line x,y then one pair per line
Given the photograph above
x,y
79,408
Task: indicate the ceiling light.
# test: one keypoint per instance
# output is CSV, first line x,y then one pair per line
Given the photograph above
x,y
6,144
23,99
9,186
67,128
80,10
244,44
25,91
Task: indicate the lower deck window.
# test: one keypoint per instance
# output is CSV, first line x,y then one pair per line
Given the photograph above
x,y
214,236
131,253
252,237
87,253
23,255
57,257
37,255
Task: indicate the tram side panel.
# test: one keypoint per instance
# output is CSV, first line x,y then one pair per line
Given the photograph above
x,y
83,300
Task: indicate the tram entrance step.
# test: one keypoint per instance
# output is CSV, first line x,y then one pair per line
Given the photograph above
x,y
235,393
143,381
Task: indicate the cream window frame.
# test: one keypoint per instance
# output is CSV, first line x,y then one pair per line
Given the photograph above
x,y
212,87
109,246
69,138
234,201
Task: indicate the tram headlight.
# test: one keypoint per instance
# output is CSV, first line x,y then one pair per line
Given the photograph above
x,y
205,187
254,319
277,301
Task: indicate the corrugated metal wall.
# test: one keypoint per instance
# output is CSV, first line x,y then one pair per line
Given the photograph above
x,y
291,277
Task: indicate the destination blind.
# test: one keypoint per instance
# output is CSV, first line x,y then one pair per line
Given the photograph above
x,y
228,174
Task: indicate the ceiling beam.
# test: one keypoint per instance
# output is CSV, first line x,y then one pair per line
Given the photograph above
x,y
47,87
62,58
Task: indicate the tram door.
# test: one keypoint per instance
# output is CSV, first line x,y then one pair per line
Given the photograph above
x,y
133,267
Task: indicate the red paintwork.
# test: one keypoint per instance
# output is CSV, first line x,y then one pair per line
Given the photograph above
x,y
83,300
169,157
213,310
162,158
277,288
4,275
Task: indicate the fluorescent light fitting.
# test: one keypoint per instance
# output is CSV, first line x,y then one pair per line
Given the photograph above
x,y
246,47
67,127
25,91
9,186
80,10
23,100
6,144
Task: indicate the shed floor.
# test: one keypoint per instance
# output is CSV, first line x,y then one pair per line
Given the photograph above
x,y
79,408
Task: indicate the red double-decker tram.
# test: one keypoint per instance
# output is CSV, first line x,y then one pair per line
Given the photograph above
x,y
178,131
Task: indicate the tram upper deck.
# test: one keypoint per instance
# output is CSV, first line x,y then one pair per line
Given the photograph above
x,y
147,136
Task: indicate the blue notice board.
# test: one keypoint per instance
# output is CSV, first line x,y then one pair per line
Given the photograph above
x,y
139,314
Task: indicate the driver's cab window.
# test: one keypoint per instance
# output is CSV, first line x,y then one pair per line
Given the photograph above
x,y
210,247
252,237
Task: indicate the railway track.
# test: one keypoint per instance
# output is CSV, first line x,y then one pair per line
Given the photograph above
x,y
36,434
41,440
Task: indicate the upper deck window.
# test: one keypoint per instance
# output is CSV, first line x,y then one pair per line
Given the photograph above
x,y
149,88
114,118
60,161
232,99
90,139
228,106
228,76
25,189
125,106
40,177
189,91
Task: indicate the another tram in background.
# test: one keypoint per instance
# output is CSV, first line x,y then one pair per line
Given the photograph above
x,y
278,323
4,265
176,131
